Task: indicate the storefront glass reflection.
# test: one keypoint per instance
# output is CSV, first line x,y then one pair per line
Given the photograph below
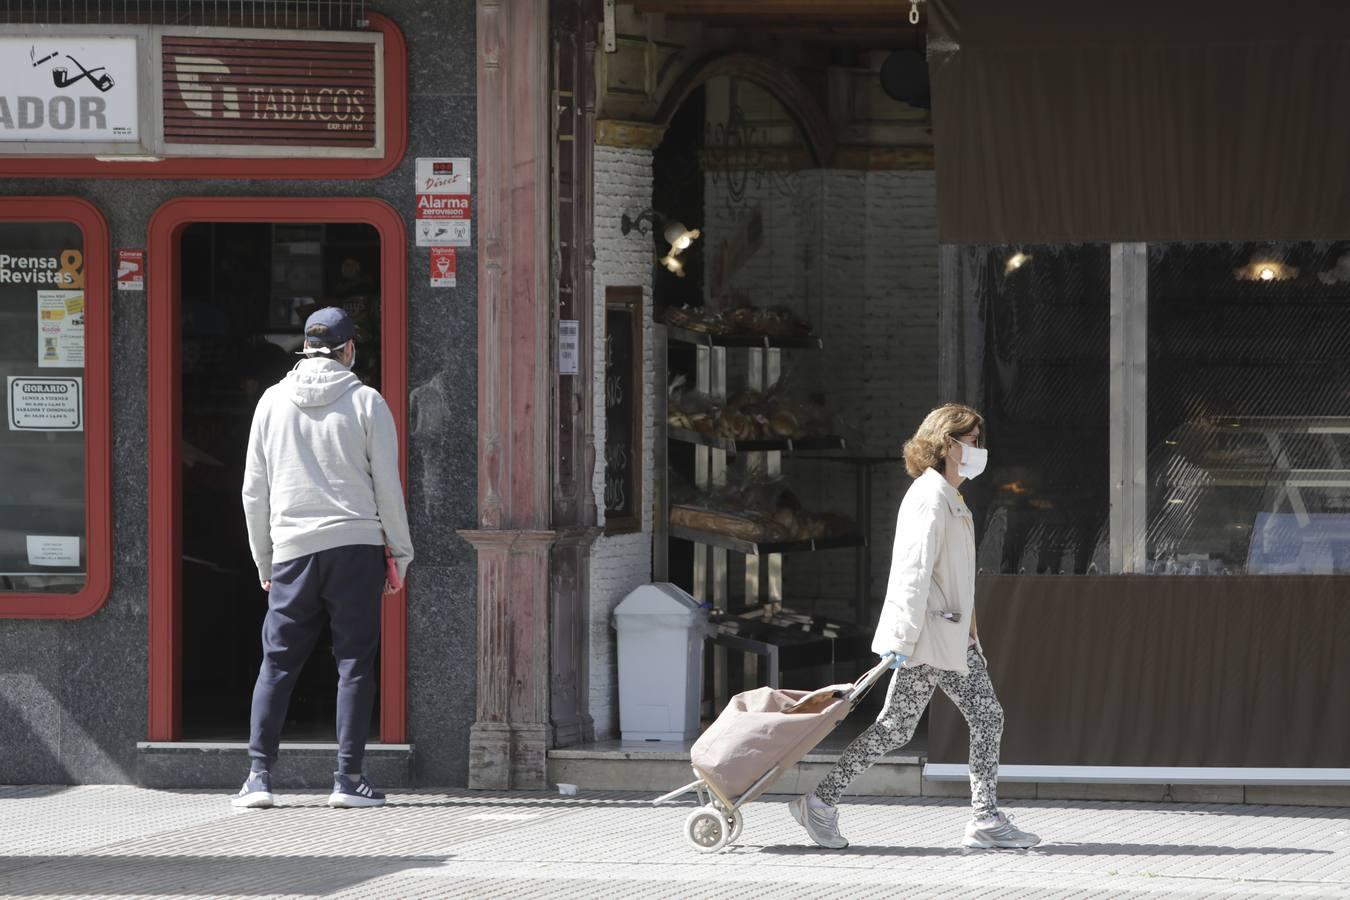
x,y
1036,351
42,446
1249,408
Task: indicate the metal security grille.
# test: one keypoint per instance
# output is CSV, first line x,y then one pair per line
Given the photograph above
x,y
318,14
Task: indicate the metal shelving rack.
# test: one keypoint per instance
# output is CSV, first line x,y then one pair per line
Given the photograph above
x,y
763,560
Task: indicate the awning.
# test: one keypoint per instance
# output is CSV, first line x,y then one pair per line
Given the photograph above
x,y
1065,121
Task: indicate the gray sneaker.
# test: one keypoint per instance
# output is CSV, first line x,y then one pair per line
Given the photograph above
x,y
821,824
998,832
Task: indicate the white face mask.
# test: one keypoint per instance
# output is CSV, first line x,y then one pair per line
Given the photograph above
x,y
973,460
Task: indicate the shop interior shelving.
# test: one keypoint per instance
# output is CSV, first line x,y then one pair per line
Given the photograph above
x,y
733,446
760,341
754,620
765,548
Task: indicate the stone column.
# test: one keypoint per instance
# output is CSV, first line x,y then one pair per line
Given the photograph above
x,y
575,28
512,732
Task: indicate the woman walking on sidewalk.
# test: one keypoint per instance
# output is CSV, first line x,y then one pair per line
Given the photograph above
x,y
927,629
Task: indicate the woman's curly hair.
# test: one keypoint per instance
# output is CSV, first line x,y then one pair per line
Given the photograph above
x,y
928,448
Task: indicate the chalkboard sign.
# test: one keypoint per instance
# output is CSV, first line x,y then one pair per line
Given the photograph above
x,y
623,409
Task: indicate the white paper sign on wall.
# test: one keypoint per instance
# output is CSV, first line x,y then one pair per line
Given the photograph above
x,y
569,347
69,88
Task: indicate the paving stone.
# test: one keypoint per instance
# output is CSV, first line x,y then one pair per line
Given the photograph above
x,y
130,842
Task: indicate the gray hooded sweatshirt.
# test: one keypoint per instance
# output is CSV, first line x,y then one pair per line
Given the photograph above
x,y
322,469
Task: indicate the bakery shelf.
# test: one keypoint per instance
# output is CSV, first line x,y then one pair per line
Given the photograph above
x,y
762,548
734,446
803,342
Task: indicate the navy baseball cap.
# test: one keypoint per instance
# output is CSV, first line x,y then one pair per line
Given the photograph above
x,y
339,325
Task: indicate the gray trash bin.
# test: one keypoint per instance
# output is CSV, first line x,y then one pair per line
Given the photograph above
x,y
661,631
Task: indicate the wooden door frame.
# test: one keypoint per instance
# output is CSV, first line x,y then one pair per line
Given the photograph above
x,y
164,376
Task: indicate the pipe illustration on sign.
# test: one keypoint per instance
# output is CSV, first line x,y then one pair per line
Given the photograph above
x,y
61,76
83,90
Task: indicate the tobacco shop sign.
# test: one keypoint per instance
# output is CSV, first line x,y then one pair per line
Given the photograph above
x,y
166,92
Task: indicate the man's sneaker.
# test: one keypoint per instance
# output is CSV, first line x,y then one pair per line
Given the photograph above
x,y
353,794
822,824
256,792
998,832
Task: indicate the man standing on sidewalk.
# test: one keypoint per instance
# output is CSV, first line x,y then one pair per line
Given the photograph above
x,y
323,501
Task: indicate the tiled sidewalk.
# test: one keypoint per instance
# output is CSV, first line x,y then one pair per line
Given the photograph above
x,y
128,842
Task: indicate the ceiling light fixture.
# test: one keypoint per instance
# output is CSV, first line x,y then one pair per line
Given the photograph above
x,y
1266,270
1016,261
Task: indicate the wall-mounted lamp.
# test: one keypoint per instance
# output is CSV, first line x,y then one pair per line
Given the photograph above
x,y
679,237
642,223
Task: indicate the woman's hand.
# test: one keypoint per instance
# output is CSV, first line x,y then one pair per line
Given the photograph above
x,y
896,660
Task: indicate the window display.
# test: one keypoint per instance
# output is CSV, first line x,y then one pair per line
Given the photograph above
x,y
1249,408
1037,345
43,537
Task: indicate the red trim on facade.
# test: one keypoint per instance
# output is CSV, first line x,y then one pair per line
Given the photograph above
x,y
257,168
165,427
97,407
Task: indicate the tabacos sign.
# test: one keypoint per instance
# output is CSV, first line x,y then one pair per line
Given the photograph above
x,y
164,91
78,88
272,96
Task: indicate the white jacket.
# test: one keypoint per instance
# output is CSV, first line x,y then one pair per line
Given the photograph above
x,y
932,570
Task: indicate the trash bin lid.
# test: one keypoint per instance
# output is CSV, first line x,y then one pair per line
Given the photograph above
x,y
660,599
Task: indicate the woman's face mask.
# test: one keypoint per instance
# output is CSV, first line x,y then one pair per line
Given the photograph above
x,y
973,460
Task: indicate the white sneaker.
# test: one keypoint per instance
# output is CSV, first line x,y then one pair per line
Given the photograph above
x,y
349,793
255,794
822,824
998,833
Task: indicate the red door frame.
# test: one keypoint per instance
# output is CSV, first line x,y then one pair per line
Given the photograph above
x,y
165,427
97,410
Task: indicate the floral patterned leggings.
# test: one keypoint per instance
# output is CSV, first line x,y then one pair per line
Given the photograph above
x,y
909,693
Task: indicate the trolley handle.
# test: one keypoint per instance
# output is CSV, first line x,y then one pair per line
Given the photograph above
x,y
869,679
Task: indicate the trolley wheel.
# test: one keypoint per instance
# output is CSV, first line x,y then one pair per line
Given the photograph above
x,y
737,823
707,829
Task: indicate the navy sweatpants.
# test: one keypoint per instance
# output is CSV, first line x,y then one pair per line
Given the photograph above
x,y
344,585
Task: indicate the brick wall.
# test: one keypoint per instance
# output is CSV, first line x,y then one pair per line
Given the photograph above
x,y
857,254
619,563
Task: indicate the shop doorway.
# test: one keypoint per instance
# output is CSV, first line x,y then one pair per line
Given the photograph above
x,y
228,305
246,289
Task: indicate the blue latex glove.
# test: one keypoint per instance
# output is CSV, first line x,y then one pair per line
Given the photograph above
x,y
895,658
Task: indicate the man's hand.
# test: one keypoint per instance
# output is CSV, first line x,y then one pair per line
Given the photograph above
x,y
267,586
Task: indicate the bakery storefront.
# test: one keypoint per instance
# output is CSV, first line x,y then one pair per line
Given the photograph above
x,y
1126,243
180,185
1145,290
